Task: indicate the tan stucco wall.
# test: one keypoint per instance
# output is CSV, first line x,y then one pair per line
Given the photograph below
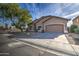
x,y
40,24
76,21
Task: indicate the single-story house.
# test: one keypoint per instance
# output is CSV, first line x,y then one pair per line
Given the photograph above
x,y
49,24
76,21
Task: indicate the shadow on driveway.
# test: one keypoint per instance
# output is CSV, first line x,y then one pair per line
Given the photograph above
x,y
76,41
35,35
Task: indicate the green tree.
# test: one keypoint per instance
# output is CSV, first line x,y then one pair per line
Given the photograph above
x,y
24,18
3,8
72,28
11,11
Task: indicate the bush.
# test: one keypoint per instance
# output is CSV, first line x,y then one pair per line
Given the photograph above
x,y
68,29
42,31
72,28
76,30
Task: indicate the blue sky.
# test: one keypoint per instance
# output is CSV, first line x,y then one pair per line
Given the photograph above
x,y
37,10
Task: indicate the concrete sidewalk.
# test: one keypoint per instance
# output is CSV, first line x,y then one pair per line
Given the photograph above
x,y
65,48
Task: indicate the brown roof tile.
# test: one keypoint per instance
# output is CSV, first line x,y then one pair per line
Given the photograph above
x,y
37,20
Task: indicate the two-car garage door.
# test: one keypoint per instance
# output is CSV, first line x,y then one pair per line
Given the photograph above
x,y
55,28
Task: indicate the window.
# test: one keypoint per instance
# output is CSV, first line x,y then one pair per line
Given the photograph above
x,y
39,27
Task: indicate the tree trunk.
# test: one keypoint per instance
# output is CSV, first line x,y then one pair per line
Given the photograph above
x,y
3,17
12,20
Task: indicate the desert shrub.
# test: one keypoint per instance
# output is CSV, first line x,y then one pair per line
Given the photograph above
x,y
72,28
76,30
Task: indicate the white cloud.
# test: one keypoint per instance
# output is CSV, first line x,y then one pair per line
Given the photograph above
x,y
72,15
58,11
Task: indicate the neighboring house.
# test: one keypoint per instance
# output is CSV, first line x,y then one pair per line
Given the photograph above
x,y
76,21
49,24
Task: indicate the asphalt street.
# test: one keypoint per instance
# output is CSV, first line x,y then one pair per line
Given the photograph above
x,y
9,47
